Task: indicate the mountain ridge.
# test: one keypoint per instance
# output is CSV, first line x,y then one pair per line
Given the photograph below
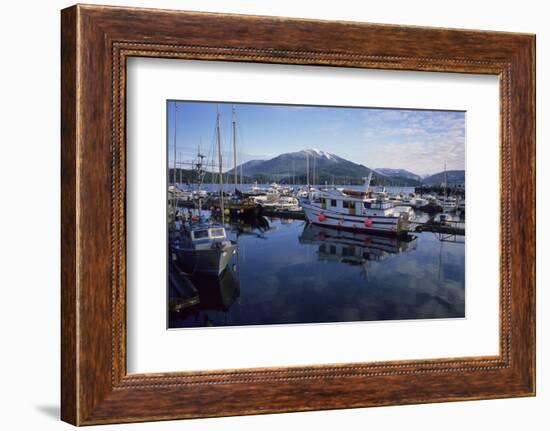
x,y
326,167
454,177
401,173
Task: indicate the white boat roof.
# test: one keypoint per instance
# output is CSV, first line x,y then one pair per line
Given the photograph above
x,y
339,194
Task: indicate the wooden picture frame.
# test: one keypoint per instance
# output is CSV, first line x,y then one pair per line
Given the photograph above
x,y
95,43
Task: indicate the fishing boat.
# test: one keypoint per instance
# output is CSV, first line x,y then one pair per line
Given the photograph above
x,y
448,203
432,205
418,202
355,210
286,203
175,193
201,247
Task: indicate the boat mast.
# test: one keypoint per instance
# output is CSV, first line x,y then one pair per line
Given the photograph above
x,y
200,174
175,149
314,163
179,171
218,138
445,183
241,169
307,170
234,148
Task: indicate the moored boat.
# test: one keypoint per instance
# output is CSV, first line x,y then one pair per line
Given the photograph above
x,y
355,210
200,247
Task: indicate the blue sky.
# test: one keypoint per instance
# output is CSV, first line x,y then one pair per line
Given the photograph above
x,y
419,141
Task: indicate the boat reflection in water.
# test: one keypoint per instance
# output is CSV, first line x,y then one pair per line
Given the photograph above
x,y
193,298
353,248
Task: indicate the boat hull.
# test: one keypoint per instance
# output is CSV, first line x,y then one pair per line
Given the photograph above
x,y
209,261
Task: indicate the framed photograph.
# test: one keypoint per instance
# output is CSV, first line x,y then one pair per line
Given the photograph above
x,y
265,215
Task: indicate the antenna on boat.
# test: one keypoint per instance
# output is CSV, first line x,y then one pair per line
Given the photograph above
x,y
367,182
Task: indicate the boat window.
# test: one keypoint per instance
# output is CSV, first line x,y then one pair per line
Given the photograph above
x,y
198,234
348,204
217,233
333,202
366,205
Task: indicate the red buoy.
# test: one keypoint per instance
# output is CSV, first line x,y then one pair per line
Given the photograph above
x,y
368,222
322,217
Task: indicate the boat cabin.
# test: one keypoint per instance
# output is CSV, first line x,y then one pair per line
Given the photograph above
x,y
349,205
207,233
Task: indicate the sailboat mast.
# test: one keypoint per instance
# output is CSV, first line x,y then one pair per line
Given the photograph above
x,y
314,163
180,172
175,141
218,138
175,149
241,182
234,148
445,183
307,170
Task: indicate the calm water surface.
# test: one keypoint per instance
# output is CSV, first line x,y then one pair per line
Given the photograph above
x,y
289,272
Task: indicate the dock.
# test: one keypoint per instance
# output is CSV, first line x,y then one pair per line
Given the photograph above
x,y
295,215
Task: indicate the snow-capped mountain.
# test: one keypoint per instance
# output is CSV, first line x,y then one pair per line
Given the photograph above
x,y
327,167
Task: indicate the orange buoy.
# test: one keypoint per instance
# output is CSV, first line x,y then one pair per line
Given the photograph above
x,y
368,222
322,217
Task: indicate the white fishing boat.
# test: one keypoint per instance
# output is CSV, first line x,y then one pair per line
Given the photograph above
x,y
418,202
200,194
175,193
448,203
353,210
287,203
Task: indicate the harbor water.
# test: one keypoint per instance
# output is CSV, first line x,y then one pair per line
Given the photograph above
x,y
290,272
